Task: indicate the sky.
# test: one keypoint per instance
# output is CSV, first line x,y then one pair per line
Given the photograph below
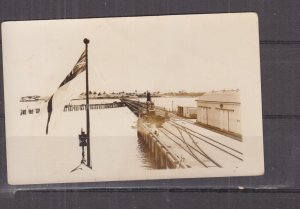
x,y
194,53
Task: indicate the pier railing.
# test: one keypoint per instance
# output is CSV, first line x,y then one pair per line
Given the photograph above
x,y
71,107
68,108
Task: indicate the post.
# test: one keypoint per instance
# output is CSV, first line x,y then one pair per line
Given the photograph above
x,y
172,106
86,42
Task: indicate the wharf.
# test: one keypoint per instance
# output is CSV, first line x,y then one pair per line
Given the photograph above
x,y
176,142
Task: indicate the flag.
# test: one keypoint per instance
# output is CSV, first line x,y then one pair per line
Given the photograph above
x,y
60,94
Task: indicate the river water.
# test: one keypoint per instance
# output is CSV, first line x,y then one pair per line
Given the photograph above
x,y
115,147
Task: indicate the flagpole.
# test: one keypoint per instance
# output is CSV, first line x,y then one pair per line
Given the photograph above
x,y
86,42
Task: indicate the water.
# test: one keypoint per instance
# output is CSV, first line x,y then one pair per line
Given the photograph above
x,y
115,147
145,156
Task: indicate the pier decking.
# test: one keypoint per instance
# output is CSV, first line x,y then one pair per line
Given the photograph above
x,y
68,108
177,142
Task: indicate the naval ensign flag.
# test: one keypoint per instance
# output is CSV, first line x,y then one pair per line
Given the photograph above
x,y
60,92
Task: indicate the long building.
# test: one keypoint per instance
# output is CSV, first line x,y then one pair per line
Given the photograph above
x,y
220,110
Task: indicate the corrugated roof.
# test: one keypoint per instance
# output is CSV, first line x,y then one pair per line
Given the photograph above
x,y
221,96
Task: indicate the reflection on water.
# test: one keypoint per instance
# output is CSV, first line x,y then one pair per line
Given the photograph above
x,y
147,157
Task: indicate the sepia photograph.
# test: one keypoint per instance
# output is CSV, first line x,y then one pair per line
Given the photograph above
x,y
132,98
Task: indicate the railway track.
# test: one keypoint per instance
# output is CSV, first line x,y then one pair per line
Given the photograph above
x,y
192,148
198,154
176,117
195,136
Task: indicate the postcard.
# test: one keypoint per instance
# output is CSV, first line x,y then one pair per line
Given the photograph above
x,y
132,98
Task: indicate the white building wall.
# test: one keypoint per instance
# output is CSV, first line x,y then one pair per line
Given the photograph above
x,y
213,115
227,118
234,118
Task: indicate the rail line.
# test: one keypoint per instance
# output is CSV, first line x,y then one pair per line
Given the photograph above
x,y
182,119
212,142
200,150
207,137
193,144
192,154
188,148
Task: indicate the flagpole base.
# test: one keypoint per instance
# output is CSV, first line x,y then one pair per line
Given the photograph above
x,y
80,167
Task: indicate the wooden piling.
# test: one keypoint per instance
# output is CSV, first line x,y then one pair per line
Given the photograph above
x,y
158,153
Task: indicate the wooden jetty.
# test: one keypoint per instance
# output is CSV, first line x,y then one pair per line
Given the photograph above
x,y
176,142
70,107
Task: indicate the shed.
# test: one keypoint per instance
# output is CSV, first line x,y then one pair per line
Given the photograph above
x,y
220,110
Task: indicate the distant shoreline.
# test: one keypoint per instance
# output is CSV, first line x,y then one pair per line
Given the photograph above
x,y
117,97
